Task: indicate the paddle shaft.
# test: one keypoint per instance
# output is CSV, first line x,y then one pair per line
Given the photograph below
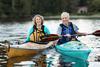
x,y
52,37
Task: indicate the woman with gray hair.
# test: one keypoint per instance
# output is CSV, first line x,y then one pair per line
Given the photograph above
x,y
37,30
72,52
67,28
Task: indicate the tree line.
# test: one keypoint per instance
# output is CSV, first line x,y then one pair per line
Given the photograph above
x,y
26,8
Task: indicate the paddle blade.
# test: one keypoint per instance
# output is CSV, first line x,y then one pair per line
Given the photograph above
x,y
49,37
96,33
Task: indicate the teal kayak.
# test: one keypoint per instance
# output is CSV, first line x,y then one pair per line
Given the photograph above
x,y
74,51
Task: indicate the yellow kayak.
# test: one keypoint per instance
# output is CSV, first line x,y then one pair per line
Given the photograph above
x,y
26,49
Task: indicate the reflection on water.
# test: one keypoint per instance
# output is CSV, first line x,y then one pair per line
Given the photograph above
x,y
25,61
21,62
15,33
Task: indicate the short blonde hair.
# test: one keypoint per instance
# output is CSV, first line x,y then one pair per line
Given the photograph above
x,y
34,19
65,14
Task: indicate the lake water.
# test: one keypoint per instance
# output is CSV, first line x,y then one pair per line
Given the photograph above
x,y
16,32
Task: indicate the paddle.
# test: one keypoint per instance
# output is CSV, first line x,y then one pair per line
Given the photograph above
x,y
52,37
49,37
96,33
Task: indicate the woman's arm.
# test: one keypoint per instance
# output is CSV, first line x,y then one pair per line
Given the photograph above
x,y
46,30
28,34
81,34
59,30
77,32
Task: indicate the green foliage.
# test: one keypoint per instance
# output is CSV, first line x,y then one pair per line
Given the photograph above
x,y
94,5
26,8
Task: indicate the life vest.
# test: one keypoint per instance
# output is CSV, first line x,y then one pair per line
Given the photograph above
x,y
37,33
70,29
65,31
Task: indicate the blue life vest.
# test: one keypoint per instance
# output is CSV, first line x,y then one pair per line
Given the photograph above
x,y
66,30
70,29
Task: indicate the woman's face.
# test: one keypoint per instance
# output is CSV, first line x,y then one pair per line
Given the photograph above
x,y
65,20
38,20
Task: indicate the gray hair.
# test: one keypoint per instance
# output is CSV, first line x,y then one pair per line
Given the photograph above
x,y
65,14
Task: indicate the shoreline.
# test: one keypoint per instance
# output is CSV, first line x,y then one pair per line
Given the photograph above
x,y
25,19
75,17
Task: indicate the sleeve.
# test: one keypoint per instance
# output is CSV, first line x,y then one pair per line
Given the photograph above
x,y
46,30
28,34
75,28
59,30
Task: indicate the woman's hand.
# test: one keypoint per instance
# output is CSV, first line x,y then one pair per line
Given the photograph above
x,y
68,35
55,43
